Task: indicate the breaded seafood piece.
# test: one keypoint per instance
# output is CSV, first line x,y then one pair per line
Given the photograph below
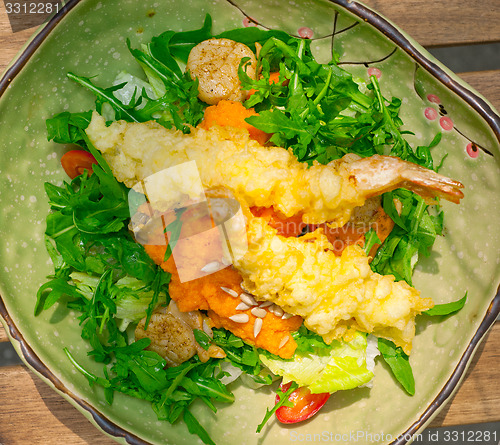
x,y
335,295
261,176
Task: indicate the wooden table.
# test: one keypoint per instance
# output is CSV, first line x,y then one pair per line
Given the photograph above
x,y
30,412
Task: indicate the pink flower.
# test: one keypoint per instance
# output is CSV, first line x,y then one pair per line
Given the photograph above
x,y
430,113
472,150
433,98
305,32
446,123
247,21
374,72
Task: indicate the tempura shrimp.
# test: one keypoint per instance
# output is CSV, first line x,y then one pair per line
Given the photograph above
x,y
261,176
215,64
335,295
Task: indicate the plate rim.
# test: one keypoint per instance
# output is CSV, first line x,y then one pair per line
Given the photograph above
x,y
403,41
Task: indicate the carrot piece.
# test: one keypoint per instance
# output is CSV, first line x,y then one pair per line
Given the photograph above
x,y
341,237
285,226
274,77
228,113
210,292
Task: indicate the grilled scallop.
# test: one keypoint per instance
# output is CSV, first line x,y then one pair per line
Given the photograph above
x,y
172,337
215,64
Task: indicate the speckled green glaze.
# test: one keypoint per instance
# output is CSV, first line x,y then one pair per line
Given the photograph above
x,y
90,41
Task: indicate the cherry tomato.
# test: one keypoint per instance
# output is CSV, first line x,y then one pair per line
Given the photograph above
x,y
75,162
305,404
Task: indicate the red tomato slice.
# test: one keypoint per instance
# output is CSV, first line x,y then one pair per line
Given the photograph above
x,y
305,405
75,162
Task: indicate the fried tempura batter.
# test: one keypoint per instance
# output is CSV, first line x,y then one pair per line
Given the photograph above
x,y
302,275
332,293
261,176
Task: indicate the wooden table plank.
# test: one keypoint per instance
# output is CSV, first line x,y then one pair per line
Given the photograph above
x,y
477,400
487,83
49,418
10,43
442,23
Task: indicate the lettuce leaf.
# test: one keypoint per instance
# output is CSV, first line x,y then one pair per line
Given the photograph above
x,y
340,366
130,295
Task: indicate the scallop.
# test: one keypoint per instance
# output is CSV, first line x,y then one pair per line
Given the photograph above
x,y
215,64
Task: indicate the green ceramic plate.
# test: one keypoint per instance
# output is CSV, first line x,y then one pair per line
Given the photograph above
x,y
88,37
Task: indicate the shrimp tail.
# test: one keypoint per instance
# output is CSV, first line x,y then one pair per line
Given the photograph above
x,y
379,174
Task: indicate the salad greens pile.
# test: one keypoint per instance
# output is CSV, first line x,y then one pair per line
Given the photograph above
x,y
315,109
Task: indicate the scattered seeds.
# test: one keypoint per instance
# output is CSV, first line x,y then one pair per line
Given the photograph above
x,y
276,310
229,291
248,299
212,267
243,287
240,318
259,312
243,307
266,304
257,326
286,316
284,341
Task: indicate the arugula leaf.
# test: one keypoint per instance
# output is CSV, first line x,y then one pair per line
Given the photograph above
x,y
105,95
242,355
371,238
195,427
178,106
64,128
92,378
308,341
447,308
252,35
171,46
146,366
311,97
414,233
88,230
202,339
391,124
319,111
57,287
283,401
399,363
202,386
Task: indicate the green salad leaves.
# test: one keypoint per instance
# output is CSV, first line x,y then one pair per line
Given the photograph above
x,y
319,112
325,368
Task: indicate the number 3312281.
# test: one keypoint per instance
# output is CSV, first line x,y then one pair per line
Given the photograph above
x,y
31,8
